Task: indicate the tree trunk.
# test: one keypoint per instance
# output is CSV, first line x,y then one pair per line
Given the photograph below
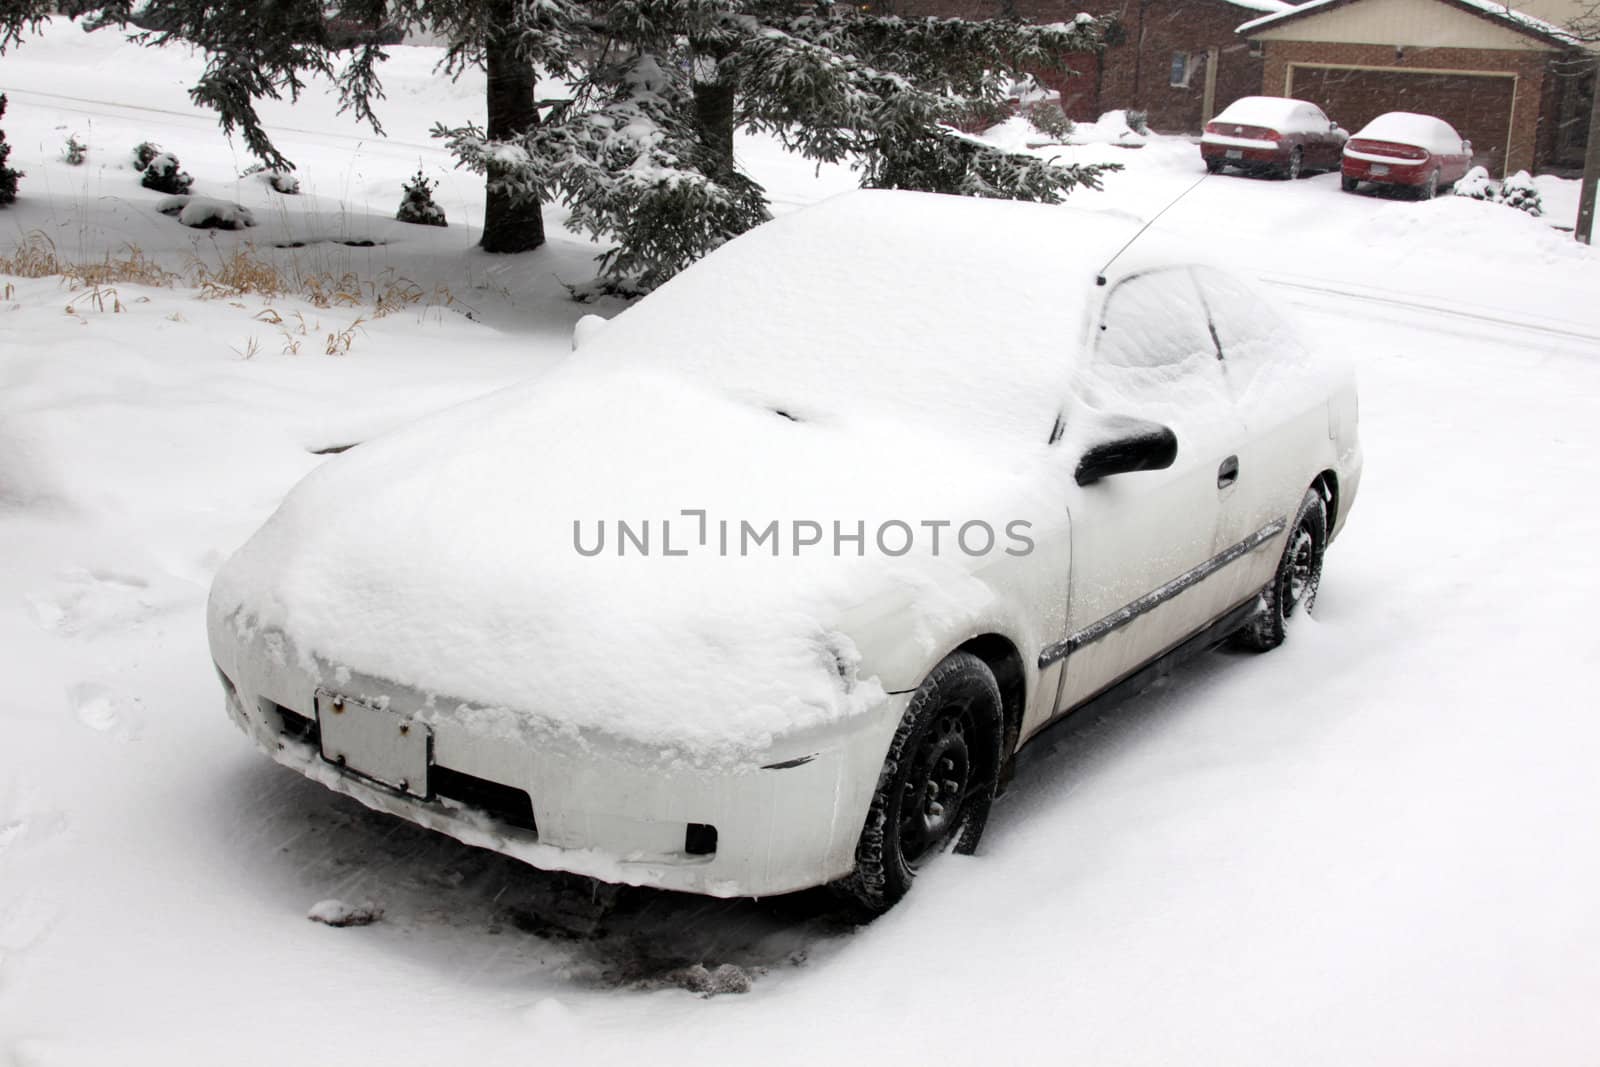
x,y
713,115
510,224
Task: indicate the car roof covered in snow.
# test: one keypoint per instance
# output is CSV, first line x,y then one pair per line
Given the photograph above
x,y
1406,127
880,304
1280,113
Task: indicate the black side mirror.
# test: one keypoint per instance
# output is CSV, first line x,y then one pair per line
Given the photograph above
x,y
1137,445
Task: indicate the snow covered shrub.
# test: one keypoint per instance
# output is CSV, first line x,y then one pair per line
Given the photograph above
x,y
204,213
1049,119
1475,184
282,181
416,203
76,151
143,153
164,175
8,176
1518,191
1138,121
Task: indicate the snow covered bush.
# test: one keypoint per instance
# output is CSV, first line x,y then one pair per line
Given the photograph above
x,y
416,203
1476,185
76,151
205,213
143,153
8,176
1049,119
281,181
1518,191
163,174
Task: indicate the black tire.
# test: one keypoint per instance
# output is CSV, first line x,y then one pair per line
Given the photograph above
x,y
1296,166
1349,184
947,748
1214,166
1293,588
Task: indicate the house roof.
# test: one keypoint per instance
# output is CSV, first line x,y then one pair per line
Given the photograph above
x,y
1537,28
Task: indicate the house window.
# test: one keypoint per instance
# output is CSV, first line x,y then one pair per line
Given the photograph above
x,y
1183,65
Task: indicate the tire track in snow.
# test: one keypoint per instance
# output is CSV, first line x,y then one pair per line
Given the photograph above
x,y
1521,325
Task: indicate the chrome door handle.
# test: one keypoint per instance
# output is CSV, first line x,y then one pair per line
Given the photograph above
x,y
1228,473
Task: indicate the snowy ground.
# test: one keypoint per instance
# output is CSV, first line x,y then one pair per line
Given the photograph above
x,y
1375,845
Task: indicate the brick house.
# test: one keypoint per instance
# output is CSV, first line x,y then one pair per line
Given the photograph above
x,y
1515,86
1179,61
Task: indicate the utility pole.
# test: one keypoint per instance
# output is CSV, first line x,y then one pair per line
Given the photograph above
x,y
1584,231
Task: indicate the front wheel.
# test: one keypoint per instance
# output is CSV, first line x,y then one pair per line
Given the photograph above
x,y
937,782
1293,588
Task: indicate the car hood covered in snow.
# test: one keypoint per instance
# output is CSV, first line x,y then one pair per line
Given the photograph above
x,y
770,384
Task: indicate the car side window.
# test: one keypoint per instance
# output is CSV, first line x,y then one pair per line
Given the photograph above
x,y
1259,348
1155,357
1154,321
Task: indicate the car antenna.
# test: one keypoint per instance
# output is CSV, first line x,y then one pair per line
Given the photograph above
x,y
1100,277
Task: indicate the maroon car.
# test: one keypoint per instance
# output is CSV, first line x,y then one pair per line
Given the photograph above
x,y
1402,148
1272,135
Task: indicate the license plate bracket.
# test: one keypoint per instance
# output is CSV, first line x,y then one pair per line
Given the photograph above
x,y
374,742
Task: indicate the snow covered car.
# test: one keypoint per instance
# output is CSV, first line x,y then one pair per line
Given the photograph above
x,y
1272,135
767,583
1401,148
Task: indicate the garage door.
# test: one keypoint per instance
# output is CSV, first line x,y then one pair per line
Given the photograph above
x,y
1479,106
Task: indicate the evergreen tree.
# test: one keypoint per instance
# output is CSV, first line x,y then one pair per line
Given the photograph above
x,y
643,152
255,52
8,176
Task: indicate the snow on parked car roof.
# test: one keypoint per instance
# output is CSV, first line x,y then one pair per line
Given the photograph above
x,y
877,304
882,357
1279,113
1405,127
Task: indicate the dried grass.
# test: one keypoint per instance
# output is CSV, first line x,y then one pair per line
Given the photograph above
x,y
243,272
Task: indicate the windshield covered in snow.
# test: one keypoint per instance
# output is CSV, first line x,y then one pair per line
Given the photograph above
x,y
961,316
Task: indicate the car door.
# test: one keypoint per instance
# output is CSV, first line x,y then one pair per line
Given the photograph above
x,y
1320,151
1280,395
1141,541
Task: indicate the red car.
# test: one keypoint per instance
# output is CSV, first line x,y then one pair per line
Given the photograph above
x,y
1272,135
1401,148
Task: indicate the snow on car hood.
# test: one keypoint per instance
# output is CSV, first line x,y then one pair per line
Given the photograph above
x,y
447,557
858,364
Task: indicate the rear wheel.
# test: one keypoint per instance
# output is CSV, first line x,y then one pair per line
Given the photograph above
x,y
1214,166
937,783
1348,184
1296,165
1293,588
1430,188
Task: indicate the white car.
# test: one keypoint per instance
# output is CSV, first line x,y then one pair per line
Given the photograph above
x,y
765,586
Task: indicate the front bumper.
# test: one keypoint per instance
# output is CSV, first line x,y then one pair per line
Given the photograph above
x,y
785,819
